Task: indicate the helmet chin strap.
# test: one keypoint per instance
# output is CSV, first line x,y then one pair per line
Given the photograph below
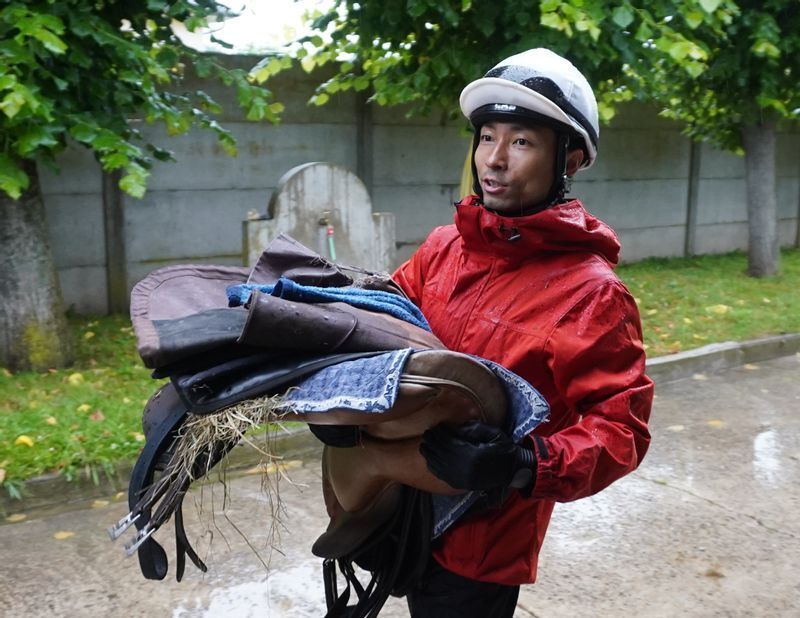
x,y
561,182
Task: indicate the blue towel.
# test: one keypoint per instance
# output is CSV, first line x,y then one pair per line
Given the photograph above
x,y
371,385
373,300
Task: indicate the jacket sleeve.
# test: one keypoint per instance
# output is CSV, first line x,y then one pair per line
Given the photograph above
x,y
410,275
597,359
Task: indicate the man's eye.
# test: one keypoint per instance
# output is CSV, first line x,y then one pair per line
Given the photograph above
x,y
486,138
521,141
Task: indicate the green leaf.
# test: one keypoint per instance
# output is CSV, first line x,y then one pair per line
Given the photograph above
x,y
679,51
693,19
606,111
643,32
258,108
52,42
13,180
361,83
695,69
552,20
264,70
308,63
709,6
227,142
12,103
440,67
319,99
135,180
7,82
421,80
35,138
83,132
622,16
765,48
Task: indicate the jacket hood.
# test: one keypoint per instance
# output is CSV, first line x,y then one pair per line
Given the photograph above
x,y
565,227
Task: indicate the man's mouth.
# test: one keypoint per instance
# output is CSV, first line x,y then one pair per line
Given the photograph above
x,y
491,185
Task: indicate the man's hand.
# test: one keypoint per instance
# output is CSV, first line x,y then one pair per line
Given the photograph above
x,y
476,456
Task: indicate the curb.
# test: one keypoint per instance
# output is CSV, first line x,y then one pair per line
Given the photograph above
x,y
53,493
717,357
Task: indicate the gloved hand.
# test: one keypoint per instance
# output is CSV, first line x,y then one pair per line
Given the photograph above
x,y
476,456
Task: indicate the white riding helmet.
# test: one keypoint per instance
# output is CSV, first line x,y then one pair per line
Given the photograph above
x,y
540,85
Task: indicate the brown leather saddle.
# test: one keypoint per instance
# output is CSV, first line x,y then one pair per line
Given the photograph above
x,y
217,356
437,386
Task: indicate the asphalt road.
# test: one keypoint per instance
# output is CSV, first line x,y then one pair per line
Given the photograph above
x,y
708,526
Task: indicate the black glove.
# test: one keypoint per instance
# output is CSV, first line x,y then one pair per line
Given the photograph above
x,y
340,436
477,456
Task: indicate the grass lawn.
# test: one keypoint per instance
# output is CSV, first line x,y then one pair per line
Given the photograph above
x,y
88,417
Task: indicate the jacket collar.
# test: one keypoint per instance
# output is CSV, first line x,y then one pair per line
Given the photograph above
x,y
565,227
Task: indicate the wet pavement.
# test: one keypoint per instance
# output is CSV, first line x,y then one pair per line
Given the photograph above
x,y
708,526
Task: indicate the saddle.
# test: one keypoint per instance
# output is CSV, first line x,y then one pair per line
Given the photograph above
x,y
376,486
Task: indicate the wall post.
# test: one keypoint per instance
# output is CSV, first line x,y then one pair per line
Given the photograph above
x,y
690,240
116,262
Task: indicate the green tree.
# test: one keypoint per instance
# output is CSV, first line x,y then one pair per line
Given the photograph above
x,y
747,88
727,70
78,71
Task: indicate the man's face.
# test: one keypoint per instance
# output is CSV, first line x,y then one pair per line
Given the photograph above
x,y
515,165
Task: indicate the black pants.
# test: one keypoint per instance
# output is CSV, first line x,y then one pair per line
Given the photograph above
x,y
442,594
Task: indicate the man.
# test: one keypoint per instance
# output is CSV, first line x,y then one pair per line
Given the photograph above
x,y
524,278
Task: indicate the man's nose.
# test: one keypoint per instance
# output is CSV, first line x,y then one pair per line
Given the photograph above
x,y
498,156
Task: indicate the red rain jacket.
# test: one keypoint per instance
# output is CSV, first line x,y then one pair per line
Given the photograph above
x,y
548,307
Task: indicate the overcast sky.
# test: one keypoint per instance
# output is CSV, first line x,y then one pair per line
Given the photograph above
x,y
261,25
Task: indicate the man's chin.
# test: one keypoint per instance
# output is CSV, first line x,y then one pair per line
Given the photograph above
x,y
501,207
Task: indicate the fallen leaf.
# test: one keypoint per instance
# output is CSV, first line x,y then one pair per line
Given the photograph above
x,y
88,334
97,416
75,378
139,437
99,504
16,518
6,372
23,440
712,572
739,303
752,367
84,407
766,300
718,309
652,311
2,475
285,465
51,420
688,321
699,337
715,422
63,534
699,377
125,400
119,495
676,428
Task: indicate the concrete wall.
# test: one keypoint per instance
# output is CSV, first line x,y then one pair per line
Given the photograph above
x,y
194,207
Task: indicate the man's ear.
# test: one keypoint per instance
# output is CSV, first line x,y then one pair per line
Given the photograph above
x,y
574,160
